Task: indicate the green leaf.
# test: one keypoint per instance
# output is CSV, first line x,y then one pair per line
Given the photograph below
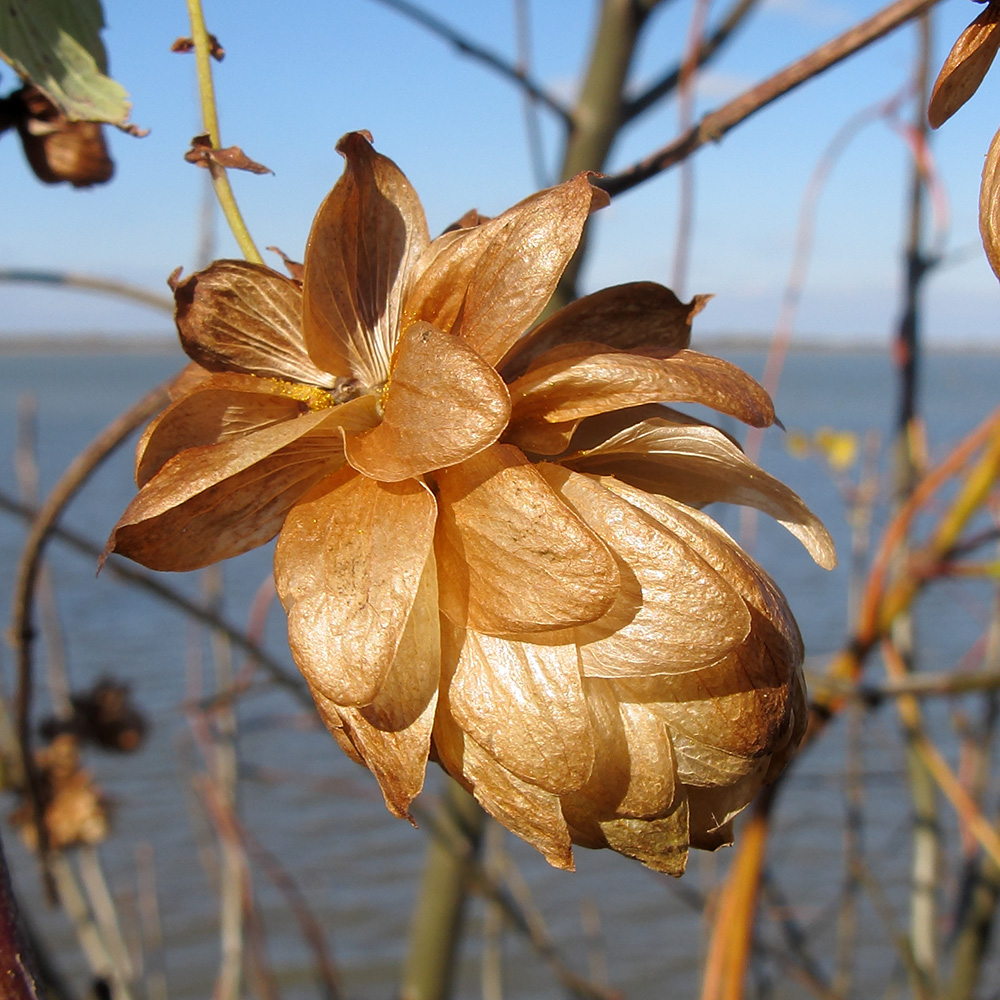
x,y
56,44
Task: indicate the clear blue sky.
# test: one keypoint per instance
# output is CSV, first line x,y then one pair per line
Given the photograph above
x,y
293,81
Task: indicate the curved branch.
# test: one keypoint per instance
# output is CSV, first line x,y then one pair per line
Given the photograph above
x,y
72,279
147,581
709,46
22,629
476,51
717,123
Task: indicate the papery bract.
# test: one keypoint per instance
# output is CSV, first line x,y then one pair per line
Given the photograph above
x,y
489,547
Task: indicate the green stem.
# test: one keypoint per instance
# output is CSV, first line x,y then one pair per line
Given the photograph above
x,y
220,179
436,928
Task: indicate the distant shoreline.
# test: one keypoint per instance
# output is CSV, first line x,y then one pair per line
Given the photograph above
x,y
166,344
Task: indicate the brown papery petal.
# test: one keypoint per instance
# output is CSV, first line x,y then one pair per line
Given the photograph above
x,y
739,706
637,315
488,284
713,807
697,464
963,71
364,240
218,408
242,317
660,844
675,612
708,539
574,382
525,809
393,733
700,764
989,205
512,556
443,405
633,771
219,500
347,568
524,704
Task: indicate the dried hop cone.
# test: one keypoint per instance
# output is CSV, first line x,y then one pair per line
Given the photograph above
x,y
489,543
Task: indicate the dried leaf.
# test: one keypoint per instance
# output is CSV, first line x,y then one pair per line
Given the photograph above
x,y
674,612
641,314
524,704
633,772
364,240
512,556
712,809
526,810
697,464
218,408
580,380
58,149
989,205
967,63
393,733
660,844
443,404
202,153
347,568
206,504
488,284
243,317
215,50
296,269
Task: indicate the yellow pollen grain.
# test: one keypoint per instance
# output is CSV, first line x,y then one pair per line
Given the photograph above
x,y
312,395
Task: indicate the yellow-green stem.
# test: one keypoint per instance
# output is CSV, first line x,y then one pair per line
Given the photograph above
x,y
210,118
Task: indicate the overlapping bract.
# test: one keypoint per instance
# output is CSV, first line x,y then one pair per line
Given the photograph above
x,y
489,547
963,71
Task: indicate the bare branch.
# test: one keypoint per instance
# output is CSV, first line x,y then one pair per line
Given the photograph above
x,y
144,580
476,51
109,286
709,46
717,123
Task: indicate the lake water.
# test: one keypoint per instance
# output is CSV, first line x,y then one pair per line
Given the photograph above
x,y
322,816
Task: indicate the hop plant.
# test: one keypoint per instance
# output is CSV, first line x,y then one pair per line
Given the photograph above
x,y
490,548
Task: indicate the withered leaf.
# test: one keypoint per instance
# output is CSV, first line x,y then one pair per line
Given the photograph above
x,y
203,154
363,243
56,148
989,205
443,405
215,49
513,557
295,269
967,63
640,314
673,612
347,568
697,464
489,283
524,703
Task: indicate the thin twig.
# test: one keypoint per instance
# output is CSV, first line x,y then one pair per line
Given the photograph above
x,y
532,125
102,906
474,50
149,921
130,573
28,478
22,624
709,47
685,112
89,282
716,124
220,178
